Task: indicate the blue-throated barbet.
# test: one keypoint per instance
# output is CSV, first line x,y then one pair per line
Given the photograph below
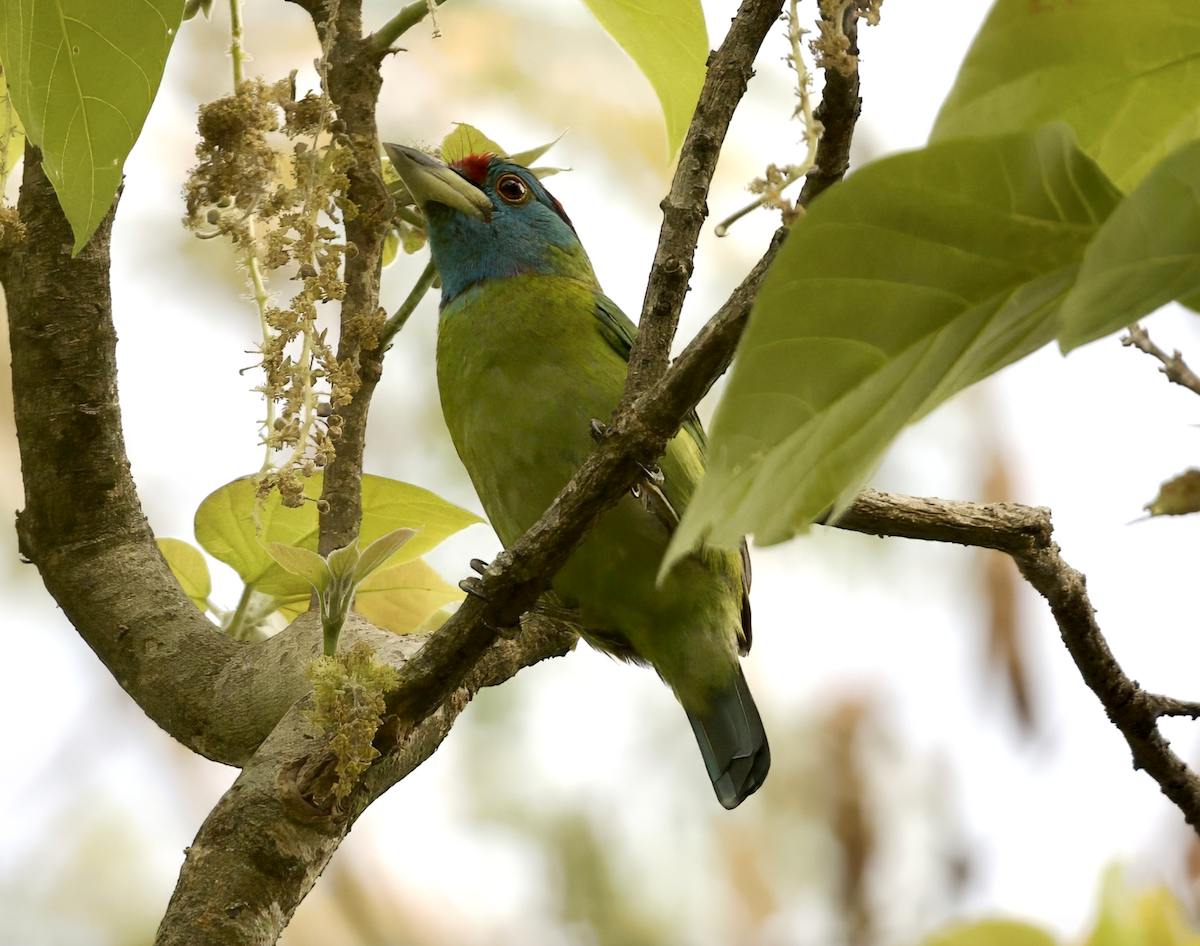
x,y
529,352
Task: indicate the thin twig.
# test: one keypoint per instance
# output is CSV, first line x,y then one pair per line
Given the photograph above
x,y
382,39
1173,366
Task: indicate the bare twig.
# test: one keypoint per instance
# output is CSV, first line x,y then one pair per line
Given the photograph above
x,y
1025,534
685,206
1173,366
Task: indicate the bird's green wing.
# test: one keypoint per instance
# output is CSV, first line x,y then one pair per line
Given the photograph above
x,y
663,499
619,331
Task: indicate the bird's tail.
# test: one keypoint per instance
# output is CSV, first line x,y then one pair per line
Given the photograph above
x,y
733,742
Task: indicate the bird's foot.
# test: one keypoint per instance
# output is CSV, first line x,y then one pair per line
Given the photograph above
x,y
599,430
474,587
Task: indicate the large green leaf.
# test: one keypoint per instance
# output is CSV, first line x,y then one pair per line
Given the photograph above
x,y
82,75
916,277
1127,78
402,597
669,42
1146,254
232,526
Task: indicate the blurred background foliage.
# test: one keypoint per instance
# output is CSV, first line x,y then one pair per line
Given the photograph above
x,y
929,763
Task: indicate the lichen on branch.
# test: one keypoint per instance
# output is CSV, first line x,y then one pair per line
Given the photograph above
x,y
348,704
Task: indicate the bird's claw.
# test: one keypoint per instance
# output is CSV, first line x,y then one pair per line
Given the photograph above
x,y
598,429
474,587
654,474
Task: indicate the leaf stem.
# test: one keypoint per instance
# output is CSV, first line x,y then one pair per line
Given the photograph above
x,y
235,628
236,51
396,322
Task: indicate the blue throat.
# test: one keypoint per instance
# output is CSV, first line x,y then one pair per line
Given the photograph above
x,y
468,251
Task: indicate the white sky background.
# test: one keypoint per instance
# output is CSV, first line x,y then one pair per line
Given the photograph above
x,y
1090,436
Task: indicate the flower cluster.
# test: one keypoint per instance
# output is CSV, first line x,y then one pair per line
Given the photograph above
x,y
272,177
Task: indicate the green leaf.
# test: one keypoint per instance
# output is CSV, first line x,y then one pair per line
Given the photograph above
x,y
192,7
1146,254
190,569
527,157
342,561
402,597
1177,496
1148,917
669,42
916,277
992,933
467,139
12,135
82,76
1127,79
379,551
229,525
303,563
391,247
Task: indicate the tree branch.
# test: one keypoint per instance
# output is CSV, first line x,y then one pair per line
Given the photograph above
x,y
685,207
1025,533
382,39
352,81
265,843
1173,366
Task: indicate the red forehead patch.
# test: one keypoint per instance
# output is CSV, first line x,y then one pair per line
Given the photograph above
x,y
473,167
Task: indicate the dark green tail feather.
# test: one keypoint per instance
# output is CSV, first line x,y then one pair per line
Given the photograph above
x,y
733,743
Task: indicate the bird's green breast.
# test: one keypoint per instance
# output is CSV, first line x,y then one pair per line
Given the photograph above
x,y
523,367
522,370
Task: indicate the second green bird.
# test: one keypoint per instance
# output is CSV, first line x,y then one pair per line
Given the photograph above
x,y
529,352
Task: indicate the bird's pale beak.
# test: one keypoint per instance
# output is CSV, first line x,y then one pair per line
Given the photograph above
x,y
430,181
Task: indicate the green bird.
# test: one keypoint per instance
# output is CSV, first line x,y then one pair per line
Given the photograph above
x,y
529,353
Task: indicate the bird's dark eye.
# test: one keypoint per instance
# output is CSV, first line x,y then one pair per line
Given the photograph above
x,y
512,189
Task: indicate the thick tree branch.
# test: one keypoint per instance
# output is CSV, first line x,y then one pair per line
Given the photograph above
x,y
83,524
1025,533
265,843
